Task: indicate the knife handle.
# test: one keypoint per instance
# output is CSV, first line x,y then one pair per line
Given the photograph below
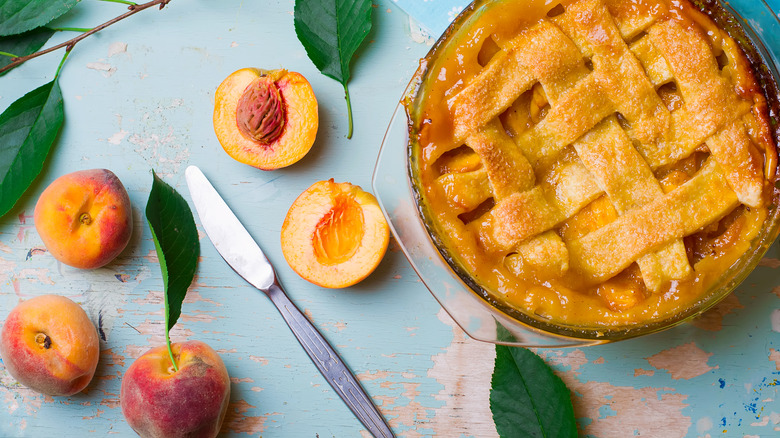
x,y
330,364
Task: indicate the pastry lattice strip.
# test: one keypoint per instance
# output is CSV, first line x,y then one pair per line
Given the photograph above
x,y
702,200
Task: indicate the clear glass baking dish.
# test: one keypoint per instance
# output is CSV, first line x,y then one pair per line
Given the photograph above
x,y
756,27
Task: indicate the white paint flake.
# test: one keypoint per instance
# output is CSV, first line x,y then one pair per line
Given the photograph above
x,y
703,425
117,137
776,320
106,69
117,48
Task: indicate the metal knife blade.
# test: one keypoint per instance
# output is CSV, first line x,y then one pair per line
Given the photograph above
x,y
232,240
240,251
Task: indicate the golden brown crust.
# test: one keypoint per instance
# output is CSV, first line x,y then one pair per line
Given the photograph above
x,y
646,108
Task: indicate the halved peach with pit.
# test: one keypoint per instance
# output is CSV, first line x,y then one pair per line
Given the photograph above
x,y
334,234
266,118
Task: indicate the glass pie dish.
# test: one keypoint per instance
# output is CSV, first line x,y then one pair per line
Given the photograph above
x,y
472,299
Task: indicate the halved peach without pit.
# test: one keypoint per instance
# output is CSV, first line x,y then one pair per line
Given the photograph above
x,y
265,118
334,234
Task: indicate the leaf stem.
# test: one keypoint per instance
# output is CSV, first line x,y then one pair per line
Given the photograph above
x,y
62,62
72,29
170,352
133,9
10,55
167,318
349,110
163,267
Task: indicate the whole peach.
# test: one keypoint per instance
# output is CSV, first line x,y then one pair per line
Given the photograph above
x,y
49,344
84,218
158,401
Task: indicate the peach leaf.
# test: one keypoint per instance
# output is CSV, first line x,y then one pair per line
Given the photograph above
x,y
176,241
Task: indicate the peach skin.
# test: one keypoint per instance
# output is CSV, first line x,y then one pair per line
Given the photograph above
x,y
158,401
84,218
49,344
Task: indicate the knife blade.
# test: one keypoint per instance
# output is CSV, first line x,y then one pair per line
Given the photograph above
x,y
237,247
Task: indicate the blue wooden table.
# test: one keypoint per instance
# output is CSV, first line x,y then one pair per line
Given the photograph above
x,y
139,96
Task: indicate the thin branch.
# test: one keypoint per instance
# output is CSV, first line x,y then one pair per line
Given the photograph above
x,y
133,9
11,55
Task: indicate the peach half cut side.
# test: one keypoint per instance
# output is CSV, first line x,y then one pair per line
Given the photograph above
x,y
266,118
334,234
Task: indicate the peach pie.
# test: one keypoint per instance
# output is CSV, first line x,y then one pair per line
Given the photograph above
x,y
594,163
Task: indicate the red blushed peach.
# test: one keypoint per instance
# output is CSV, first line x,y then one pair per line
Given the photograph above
x,y
265,118
49,344
84,218
158,401
334,234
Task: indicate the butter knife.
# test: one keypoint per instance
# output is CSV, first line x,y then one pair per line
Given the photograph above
x,y
241,252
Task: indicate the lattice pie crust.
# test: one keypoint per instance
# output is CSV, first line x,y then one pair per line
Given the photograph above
x,y
601,166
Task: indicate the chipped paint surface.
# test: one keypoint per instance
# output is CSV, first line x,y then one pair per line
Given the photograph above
x,y
134,104
683,362
237,420
459,373
774,356
713,319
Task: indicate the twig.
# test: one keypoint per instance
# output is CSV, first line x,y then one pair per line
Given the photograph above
x,y
133,9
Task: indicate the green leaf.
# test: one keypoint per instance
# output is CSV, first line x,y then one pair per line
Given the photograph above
x,y
527,399
17,16
176,241
331,31
28,129
23,44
